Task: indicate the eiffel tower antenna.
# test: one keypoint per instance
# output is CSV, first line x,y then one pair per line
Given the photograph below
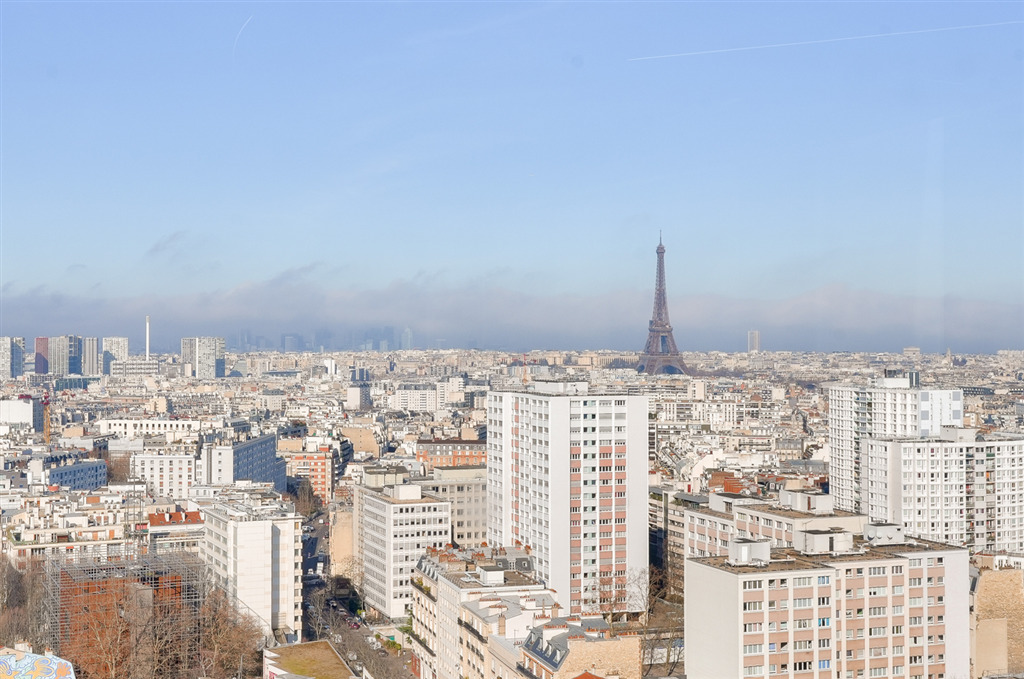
x,y
660,353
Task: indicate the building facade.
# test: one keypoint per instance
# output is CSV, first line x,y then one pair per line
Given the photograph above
x,y
394,526
12,358
567,477
114,349
253,548
836,605
891,406
960,487
203,356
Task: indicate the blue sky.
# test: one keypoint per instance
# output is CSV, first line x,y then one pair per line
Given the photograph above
x,y
500,172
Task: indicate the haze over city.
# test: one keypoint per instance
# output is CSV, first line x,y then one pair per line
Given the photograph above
x,y
841,177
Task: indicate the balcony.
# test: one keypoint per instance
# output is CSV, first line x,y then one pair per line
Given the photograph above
x,y
418,584
521,668
469,628
419,640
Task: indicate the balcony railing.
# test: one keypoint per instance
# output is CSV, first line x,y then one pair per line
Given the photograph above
x,y
418,584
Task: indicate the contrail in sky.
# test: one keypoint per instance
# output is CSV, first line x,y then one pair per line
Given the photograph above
x,y
819,42
239,36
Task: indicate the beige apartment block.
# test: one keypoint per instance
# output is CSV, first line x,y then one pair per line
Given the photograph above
x,y
835,605
997,616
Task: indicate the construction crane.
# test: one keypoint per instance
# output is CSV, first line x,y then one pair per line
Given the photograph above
x,y
46,417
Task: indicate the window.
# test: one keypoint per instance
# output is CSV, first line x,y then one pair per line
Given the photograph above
x,y
876,632
752,649
753,584
752,627
753,605
753,671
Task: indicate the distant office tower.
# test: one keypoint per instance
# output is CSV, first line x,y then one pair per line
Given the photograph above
x,y
753,341
65,355
42,351
12,358
406,342
91,363
891,406
114,349
203,356
660,354
567,476
290,342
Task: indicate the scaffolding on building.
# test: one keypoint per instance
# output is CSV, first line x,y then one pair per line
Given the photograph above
x,y
138,612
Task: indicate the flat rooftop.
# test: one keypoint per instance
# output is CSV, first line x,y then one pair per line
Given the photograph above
x,y
315,659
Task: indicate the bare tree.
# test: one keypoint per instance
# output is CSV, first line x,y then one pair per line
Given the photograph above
x,y
660,624
228,637
21,604
306,501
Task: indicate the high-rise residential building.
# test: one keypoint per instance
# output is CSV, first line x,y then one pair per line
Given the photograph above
x,y
253,548
834,605
753,341
203,356
65,355
394,526
42,352
114,349
567,477
91,361
891,406
12,358
959,487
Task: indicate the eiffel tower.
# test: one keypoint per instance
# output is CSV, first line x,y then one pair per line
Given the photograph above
x,y
660,355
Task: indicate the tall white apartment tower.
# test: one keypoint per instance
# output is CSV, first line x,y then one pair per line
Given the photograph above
x,y
204,356
753,341
891,406
567,478
91,356
114,349
12,358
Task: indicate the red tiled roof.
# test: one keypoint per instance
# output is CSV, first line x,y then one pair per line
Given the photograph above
x,y
174,518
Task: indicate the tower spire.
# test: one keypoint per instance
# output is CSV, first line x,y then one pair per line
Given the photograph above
x,y
660,353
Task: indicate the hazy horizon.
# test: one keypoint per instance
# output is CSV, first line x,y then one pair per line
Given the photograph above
x,y
839,176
